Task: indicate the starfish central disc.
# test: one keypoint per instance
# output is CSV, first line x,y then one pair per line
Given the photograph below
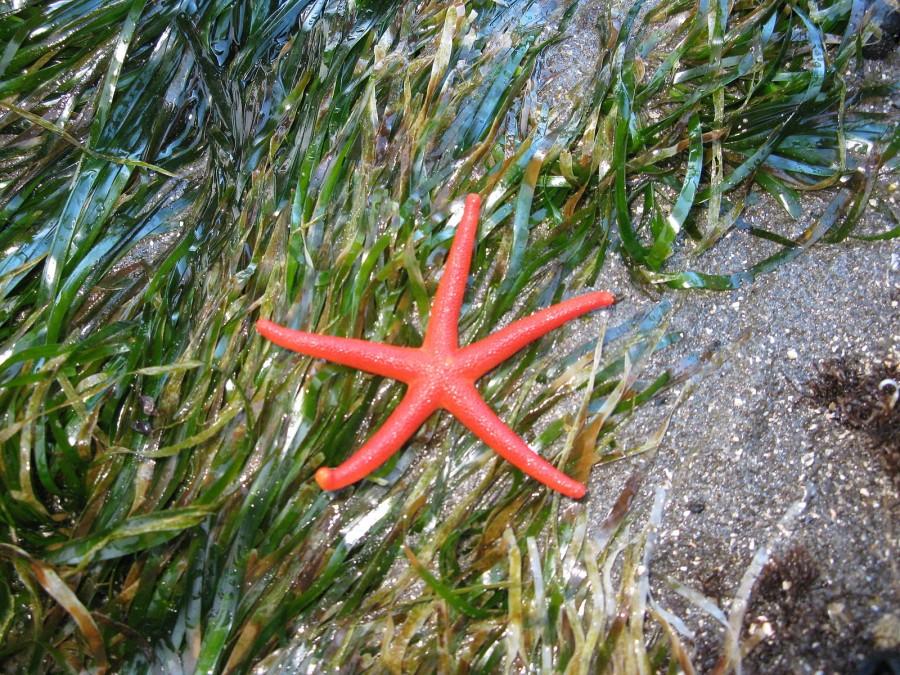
x,y
441,375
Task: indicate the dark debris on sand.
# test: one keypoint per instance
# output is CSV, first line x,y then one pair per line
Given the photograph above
x,y
864,397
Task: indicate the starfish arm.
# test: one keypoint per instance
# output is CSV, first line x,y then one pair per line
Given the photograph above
x,y
469,408
399,363
399,427
487,354
443,324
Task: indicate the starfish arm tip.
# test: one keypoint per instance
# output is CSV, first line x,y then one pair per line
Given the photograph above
x,y
604,299
324,479
578,491
264,326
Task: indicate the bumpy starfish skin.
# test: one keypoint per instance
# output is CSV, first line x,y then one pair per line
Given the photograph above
x,y
440,374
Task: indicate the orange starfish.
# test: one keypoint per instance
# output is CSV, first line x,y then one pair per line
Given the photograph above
x,y
440,374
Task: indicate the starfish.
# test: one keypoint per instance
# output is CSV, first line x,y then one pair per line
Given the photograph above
x,y
440,374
